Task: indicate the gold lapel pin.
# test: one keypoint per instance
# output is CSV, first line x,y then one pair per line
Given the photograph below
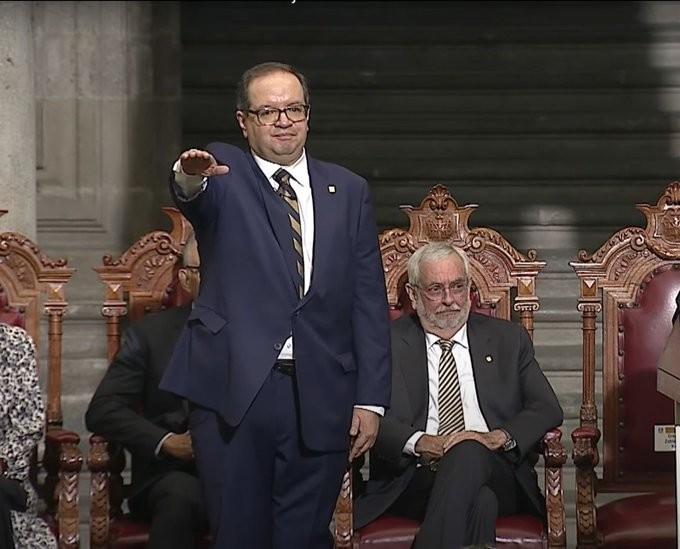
x,y
331,189
489,359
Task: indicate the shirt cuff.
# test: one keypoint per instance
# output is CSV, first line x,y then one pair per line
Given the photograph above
x,y
187,186
410,446
157,451
375,409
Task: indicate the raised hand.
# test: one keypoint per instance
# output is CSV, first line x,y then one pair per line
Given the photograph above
x,y
198,162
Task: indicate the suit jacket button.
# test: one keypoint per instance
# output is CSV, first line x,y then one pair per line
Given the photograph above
x,y
278,346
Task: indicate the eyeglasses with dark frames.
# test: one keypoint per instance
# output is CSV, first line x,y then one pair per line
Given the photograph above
x,y
436,292
268,116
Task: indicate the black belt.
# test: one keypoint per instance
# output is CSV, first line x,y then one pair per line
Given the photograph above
x,y
285,366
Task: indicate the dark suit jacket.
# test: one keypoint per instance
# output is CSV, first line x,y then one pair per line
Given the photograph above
x,y
512,391
129,408
248,303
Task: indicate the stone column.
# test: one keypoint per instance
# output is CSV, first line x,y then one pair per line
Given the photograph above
x,y
17,120
107,88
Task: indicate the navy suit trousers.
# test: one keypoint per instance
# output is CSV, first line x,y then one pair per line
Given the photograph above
x,y
261,485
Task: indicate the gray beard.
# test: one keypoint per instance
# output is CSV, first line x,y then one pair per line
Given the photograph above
x,y
450,322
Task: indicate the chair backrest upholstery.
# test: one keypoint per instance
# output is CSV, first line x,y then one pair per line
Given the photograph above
x,y
144,277
9,315
632,280
503,281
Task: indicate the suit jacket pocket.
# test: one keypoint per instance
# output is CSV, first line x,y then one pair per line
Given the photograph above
x,y
209,318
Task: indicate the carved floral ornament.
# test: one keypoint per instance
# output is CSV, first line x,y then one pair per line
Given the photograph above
x,y
439,218
661,235
156,243
663,223
497,263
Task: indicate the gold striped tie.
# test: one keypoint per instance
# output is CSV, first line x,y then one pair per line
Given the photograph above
x,y
282,177
451,419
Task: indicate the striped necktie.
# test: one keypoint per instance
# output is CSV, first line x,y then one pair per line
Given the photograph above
x,y
282,177
451,419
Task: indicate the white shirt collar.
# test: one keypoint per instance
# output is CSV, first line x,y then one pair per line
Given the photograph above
x,y
297,170
459,337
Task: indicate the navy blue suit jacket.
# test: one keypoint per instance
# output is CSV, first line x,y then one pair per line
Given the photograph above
x,y
248,303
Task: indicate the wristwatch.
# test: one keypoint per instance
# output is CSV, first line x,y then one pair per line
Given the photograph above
x,y
510,443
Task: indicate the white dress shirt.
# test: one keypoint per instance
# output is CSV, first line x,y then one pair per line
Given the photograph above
x,y
472,414
193,185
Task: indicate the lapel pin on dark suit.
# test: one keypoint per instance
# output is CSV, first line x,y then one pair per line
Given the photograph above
x,y
489,359
331,189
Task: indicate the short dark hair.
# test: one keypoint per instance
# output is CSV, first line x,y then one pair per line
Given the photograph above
x,y
263,69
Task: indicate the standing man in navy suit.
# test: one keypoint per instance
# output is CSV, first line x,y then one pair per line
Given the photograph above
x,y
285,356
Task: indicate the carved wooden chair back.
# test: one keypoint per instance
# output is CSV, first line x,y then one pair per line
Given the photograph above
x,y
503,283
143,279
632,280
32,287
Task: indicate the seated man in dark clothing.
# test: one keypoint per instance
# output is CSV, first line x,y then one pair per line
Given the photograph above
x,y
469,403
130,409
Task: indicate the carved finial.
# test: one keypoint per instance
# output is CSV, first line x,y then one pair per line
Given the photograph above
x,y
439,198
672,195
662,233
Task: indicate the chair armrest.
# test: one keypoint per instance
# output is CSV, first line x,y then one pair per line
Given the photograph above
x,y
343,527
553,450
63,463
585,446
59,437
555,457
98,456
98,462
586,457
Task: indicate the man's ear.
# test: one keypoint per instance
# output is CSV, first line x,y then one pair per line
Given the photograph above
x,y
411,291
183,280
241,119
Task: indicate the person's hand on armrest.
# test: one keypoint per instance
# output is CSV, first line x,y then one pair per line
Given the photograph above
x,y
178,446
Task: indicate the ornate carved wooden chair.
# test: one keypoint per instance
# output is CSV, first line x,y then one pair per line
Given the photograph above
x,y
503,282
30,284
141,280
632,280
